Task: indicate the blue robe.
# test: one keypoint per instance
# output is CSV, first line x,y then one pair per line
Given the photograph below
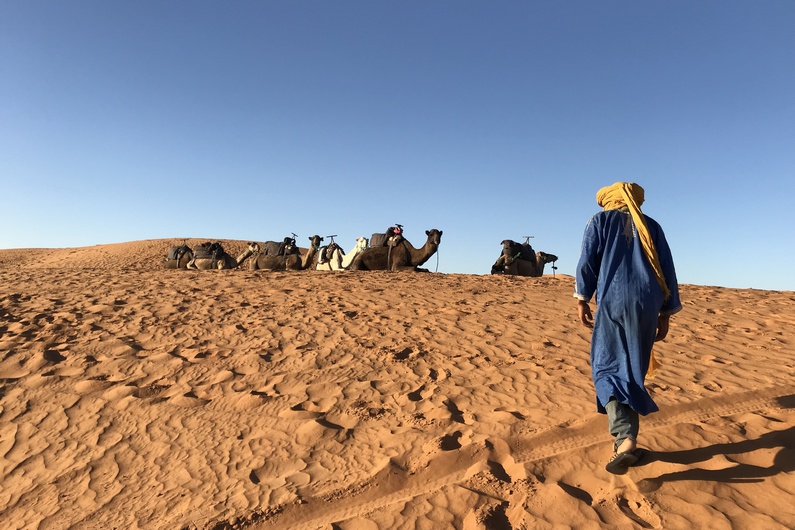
x,y
629,300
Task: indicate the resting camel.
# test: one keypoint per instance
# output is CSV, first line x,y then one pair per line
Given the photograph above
x,y
400,257
293,261
520,260
338,260
212,256
178,257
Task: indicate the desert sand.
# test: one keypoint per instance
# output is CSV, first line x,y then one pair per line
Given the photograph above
x,y
133,397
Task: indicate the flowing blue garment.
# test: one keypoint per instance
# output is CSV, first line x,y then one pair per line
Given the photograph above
x,y
629,300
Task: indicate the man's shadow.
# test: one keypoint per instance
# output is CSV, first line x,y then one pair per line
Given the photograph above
x,y
783,462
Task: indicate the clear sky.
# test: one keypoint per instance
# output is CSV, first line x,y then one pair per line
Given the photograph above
x,y
490,120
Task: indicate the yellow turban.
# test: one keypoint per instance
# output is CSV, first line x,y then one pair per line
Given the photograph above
x,y
615,196
632,195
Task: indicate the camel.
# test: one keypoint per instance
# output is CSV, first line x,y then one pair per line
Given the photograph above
x,y
401,257
178,257
212,256
519,259
291,261
339,261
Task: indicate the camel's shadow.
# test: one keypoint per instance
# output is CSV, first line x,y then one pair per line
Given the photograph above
x,y
783,462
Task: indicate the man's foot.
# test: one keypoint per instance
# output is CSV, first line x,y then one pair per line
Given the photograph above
x,y
622,461
627,445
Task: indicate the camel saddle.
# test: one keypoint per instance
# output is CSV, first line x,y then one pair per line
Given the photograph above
x,y
390,238
527,253
327,252
176,253
286,247
208,251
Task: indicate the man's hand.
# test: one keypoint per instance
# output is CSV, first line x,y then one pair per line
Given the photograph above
x,y
662,327
585,313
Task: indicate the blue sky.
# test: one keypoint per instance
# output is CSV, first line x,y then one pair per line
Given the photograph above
x,y
130,120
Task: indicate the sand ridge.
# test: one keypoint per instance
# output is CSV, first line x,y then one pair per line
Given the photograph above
x,y
136,397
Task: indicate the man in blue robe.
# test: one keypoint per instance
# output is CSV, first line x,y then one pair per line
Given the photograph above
x,y
625,260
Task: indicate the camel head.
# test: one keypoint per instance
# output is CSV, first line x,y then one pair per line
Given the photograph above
x,y
434,236
510,247
315,241
546,258
254,248
361,243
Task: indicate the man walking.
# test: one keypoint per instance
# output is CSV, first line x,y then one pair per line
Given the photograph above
x,y
626,262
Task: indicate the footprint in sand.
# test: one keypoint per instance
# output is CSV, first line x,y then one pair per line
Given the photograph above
x,y
713,386
368,411
618,504
449,442
637,508
149,391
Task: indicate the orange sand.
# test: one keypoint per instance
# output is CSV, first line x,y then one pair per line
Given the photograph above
x,y
135,397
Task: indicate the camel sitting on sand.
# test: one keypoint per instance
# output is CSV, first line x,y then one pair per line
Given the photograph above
x,y
400,257
213,256
178,257
290,261
520,260
338,260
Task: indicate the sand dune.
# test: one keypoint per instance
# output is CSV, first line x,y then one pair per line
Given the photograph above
x,y
140,398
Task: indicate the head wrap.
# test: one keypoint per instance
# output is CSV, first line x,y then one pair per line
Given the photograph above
x,y
632,195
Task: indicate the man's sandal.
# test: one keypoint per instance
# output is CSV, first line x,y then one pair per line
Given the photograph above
x,y
621,462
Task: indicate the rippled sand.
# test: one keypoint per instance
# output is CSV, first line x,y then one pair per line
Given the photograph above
x,y
137,397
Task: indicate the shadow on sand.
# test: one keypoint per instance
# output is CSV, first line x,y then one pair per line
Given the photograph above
x,y
783,462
